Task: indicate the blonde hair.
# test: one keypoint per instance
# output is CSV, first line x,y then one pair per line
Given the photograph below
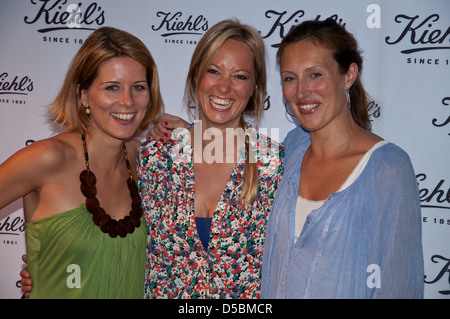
x,y
206,49
103,44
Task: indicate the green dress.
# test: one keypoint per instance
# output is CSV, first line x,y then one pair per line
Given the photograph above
x,y
69,256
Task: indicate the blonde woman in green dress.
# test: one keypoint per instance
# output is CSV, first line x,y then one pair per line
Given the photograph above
x,y
85,233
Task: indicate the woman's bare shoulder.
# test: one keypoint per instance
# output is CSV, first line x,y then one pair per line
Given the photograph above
x,y
56,145
51,152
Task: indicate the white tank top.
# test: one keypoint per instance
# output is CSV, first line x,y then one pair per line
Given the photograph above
x,y
305,206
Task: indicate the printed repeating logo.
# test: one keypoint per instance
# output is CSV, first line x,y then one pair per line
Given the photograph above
x,y
282,22
441,274
436,196
419,34
438,122
59,16
435,202
10,229
179,28
14,88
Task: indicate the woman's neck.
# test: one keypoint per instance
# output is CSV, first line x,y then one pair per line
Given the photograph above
x,y
334,140
104,150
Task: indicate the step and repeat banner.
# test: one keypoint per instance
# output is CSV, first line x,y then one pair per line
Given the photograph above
x,y
406,51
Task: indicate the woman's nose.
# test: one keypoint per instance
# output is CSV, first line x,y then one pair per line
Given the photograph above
x,y
126,98
224,84
303,89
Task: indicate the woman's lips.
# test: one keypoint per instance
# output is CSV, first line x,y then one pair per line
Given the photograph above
x,y
221,103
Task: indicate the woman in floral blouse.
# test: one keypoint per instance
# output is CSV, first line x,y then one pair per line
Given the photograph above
x,y
207,202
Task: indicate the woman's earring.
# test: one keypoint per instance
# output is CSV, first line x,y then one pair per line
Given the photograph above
x,y
87,110
287,107
347,94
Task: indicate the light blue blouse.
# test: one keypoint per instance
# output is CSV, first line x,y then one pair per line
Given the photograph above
x,y
364,242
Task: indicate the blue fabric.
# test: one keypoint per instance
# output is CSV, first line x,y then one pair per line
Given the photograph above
x,y
203,226
364,242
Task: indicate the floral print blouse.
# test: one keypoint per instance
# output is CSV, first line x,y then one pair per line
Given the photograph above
x,y
177,264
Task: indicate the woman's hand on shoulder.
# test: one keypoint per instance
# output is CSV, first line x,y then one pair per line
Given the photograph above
x,y
162,130
25,280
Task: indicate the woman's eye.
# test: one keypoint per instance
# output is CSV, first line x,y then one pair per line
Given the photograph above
x,y
213,72
111,87
288,79
316,75
140,87
241,77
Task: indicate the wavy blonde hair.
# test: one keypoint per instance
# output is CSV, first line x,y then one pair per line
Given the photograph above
x,y
103,44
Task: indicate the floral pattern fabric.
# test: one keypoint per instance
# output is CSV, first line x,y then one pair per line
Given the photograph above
x,y
177,264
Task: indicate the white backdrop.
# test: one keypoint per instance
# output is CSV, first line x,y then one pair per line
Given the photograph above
x,y
406,48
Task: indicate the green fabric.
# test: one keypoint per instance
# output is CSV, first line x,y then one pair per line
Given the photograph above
x,y
67,246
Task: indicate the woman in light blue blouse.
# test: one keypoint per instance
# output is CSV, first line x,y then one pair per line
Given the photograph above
x,y
345,222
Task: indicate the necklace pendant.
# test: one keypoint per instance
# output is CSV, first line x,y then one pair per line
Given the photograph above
x,y
100,218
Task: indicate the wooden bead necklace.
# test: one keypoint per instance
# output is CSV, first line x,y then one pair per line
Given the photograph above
x,y
100,218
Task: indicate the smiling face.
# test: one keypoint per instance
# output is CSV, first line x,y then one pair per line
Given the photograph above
x,y
118,97
227,85
313,85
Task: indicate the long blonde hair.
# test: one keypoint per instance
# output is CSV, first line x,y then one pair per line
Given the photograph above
x,y
103,44
206,49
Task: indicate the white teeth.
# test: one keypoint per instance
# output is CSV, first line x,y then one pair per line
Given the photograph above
x,y
123,116
221,104
308,107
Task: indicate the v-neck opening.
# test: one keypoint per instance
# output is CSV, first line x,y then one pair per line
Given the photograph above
x,y
228,186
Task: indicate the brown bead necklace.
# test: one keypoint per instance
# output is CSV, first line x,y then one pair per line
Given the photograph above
x,y
107,224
